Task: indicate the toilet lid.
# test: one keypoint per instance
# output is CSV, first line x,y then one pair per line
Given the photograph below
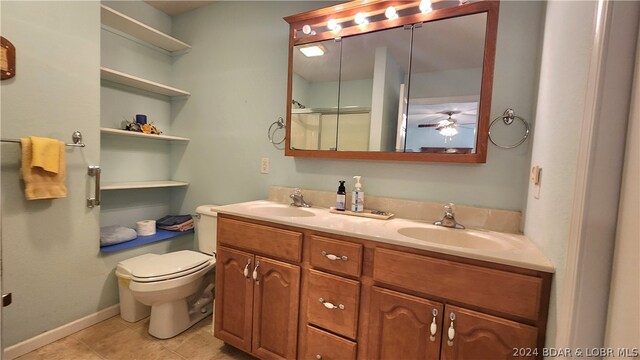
x,y
153,267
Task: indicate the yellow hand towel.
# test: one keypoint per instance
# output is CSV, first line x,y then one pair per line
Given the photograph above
x,y
39,183
46,153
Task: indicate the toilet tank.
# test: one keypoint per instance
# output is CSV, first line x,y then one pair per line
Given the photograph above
x,y
206,228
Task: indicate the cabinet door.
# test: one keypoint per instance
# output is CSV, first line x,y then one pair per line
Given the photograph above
x,y
400,326
275,309
481,336
234,297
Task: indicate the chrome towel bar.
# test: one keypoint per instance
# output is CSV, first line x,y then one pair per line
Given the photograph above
x,y
76,137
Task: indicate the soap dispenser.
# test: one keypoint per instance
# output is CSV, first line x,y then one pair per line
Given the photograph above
x,y
341,198
357,197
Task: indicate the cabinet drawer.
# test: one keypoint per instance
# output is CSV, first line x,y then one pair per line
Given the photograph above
x,y
338,309
260,239
497,290
328,346
347,260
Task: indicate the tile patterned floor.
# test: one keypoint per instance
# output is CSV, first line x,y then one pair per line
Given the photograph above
x,y
116,339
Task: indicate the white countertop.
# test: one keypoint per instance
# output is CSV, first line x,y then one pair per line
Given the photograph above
x,y
496,247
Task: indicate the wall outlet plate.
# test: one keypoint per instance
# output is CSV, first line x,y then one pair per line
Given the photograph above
x,y
264,166
535,174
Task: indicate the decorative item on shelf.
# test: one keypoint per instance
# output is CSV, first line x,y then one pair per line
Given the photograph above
x,y
141,125
141,119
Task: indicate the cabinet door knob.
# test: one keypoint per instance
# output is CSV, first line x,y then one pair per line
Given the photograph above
x,y
255,273
330,306
246,269
434,327
333,257
452,332
318,357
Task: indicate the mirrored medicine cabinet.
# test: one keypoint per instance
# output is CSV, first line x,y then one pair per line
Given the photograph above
x,y
415,86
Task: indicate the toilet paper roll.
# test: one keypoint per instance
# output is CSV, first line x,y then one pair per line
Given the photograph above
x,y
146,227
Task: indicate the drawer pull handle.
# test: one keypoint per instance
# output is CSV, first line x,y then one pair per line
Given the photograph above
x,y
452,332
318,357
246,269
434,326
333,257
329,305
255,273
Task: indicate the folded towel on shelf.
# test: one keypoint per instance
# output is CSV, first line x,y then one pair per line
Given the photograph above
x,y
175,223
170,220
45,153
40,183
116,234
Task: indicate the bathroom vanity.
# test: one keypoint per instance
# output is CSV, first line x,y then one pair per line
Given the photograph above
x,y
296,283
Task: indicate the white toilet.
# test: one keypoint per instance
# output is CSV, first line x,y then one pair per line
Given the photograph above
x,y
175,288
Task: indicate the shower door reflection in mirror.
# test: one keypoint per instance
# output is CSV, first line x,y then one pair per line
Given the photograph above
x,y
315,89
360,112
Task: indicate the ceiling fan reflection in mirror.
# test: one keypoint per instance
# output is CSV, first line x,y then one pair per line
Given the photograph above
x,y
448,127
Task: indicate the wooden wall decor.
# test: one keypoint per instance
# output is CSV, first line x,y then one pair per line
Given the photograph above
x,y
7,59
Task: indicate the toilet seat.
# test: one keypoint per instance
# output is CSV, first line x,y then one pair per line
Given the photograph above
x,y
152,267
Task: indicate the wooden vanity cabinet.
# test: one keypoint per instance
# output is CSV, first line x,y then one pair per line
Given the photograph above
x,y
257,297
402,326
462,333
478,335
325,296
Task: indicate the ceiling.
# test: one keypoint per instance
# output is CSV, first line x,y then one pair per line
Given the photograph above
x,y
450,44
177,7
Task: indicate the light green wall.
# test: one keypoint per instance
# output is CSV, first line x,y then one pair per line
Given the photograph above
x,y
135,159
561,96
239,88
566,95
237,75
50,248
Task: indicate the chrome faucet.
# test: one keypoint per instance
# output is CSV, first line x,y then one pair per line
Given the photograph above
x,y
449,219
297,198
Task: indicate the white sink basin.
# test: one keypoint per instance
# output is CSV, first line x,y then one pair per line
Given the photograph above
x,y
282,210
470,239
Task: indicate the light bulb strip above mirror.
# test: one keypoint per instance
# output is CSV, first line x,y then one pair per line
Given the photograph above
x,y
407,12
345,19
351,62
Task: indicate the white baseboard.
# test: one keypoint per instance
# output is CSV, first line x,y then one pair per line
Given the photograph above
x,y
50,336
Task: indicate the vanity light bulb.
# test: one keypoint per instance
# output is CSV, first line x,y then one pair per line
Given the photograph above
x,y
306,29
425,5
391,13
361,19
332,24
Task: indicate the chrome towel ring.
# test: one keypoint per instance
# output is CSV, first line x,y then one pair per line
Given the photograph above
x,y
279,124
507,117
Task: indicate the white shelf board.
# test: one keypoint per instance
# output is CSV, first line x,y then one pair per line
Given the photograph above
x,y
139,30
142,185
140,83
142,135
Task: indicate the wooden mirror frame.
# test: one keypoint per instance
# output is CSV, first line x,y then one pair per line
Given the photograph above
x,y
347,11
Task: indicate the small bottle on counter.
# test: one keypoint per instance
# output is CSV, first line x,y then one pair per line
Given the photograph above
x,y
357,197
341,199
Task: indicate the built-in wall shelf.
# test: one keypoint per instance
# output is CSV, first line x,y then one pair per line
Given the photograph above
x,y
139,30
140,83
142,185
120,132
143,240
